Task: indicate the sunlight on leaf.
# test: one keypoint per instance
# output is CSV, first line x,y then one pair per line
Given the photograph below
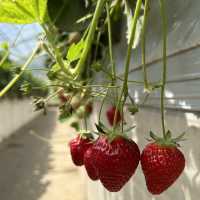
x,y
23,11
74,52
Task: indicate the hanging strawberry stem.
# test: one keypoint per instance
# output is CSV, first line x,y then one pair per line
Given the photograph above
x,y
124,90
167,139
50,34
164,72
110,45
143,41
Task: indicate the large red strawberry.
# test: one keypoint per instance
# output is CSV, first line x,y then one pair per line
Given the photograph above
x,y
162,164
90,157
115,161
111,115
78,146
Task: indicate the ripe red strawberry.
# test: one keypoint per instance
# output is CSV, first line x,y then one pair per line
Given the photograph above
x,y
78,146
161,165
111,114
115,161
90,165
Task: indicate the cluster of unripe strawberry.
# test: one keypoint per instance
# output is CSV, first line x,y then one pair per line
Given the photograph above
x,y
114,158
76,103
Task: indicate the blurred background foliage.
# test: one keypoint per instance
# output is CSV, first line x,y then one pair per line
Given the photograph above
x,y
27,85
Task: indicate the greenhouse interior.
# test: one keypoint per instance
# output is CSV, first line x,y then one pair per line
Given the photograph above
x,y
99,100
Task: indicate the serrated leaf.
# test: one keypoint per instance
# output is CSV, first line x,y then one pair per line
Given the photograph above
x,y
75,50
23,11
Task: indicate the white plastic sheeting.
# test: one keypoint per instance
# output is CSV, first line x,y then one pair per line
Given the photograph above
x,y
183,88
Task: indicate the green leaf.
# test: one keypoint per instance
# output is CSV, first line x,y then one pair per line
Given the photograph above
x,y
75,125
74,52
55,70
23,11
4,46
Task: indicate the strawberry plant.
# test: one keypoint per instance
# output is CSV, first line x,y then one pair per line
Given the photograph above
x,y
79,38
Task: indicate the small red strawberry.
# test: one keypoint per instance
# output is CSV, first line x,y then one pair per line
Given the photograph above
x,y
63,98
90,165
89,108
115,161
111,114
78,146
162,163
84,111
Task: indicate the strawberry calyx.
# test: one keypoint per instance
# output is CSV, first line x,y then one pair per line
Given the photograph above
x,y
85,134
110,134
168,140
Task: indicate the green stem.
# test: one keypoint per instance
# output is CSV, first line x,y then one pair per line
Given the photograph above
x,y
103,86
164,73
128,59
146,84
4,58
52,95
88,43
85,123
97,45
17,76
121,79
58,56
110,45
102,103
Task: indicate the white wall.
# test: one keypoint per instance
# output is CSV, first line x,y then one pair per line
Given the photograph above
x,y
14,114
187,186
183,37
